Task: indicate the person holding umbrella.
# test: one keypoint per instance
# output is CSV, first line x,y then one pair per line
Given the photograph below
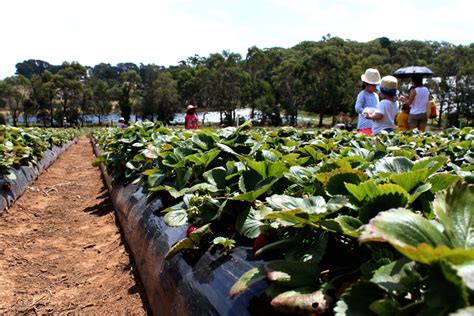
x,y
419,96
367,99
417,101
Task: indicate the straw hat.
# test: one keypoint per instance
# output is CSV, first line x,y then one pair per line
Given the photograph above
x,y
389,85
371,76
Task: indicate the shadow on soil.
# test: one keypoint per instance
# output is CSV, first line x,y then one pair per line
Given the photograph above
x,y
106,207
138,287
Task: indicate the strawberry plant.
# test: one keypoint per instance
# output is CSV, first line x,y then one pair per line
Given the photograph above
x,y
25,147
354,224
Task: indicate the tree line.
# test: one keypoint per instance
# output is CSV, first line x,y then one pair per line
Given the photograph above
x,y
321,77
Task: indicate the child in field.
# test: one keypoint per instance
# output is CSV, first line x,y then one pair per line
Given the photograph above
x,y
367,99
402,118
383,118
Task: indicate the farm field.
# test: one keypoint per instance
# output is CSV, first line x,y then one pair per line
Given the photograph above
x,y
304,202
240,221
60,249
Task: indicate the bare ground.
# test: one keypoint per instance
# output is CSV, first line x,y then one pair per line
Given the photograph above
x,y
60,248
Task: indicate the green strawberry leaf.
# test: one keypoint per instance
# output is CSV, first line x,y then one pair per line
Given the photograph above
x,y
414,236
400,275
411,179
343,224
358,298
454,208
446,292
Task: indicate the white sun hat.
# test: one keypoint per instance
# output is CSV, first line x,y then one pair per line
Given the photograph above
x,y
371,76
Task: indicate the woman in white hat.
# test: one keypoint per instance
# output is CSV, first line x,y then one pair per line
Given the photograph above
x,y
191,120
367,99
387,109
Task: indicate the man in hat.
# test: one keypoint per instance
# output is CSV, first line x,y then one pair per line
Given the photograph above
x,y
387,109
191,120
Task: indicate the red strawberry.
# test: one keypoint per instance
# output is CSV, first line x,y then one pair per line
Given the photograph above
x,y
191,230
6,187
259,242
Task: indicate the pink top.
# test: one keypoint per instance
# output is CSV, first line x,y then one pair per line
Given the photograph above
x,y
191,121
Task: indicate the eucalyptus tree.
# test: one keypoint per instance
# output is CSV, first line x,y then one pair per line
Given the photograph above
x,y
127,93
164,95
15,90
69,86
324,78
187,82
455,67
100,98
258,65
188,86
43,94
207,79
287,82
222,83
446,67
38,96
106,72
31,67
147,105
125,67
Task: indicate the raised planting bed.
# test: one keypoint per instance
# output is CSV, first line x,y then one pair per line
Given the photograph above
x,y
26,153
251,221
194,283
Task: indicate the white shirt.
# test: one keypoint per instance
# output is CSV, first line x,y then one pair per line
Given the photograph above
x,y
418,106
389,110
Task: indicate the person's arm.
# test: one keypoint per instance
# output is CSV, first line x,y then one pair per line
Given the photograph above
x,y
360,103
374,116
411,97
378,114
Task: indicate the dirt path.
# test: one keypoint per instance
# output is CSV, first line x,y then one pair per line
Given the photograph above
x,y
60,249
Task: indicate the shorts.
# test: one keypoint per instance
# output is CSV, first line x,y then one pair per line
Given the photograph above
x,y
417,119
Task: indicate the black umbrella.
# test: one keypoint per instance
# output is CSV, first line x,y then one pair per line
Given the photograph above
x,y
408,72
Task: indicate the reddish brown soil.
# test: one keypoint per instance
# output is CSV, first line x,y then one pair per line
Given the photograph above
x,y
60,248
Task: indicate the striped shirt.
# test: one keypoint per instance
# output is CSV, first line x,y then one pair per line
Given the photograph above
x,y
365,100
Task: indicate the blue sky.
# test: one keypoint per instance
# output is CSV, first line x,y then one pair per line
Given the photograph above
x,y
163,32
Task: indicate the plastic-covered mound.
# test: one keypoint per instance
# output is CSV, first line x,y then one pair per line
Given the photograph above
x,y
27,174
189,283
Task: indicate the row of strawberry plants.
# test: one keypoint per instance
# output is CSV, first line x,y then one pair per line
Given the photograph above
x,y
346,223
25,147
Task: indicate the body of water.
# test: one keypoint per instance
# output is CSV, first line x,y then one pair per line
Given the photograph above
x,y
212,117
